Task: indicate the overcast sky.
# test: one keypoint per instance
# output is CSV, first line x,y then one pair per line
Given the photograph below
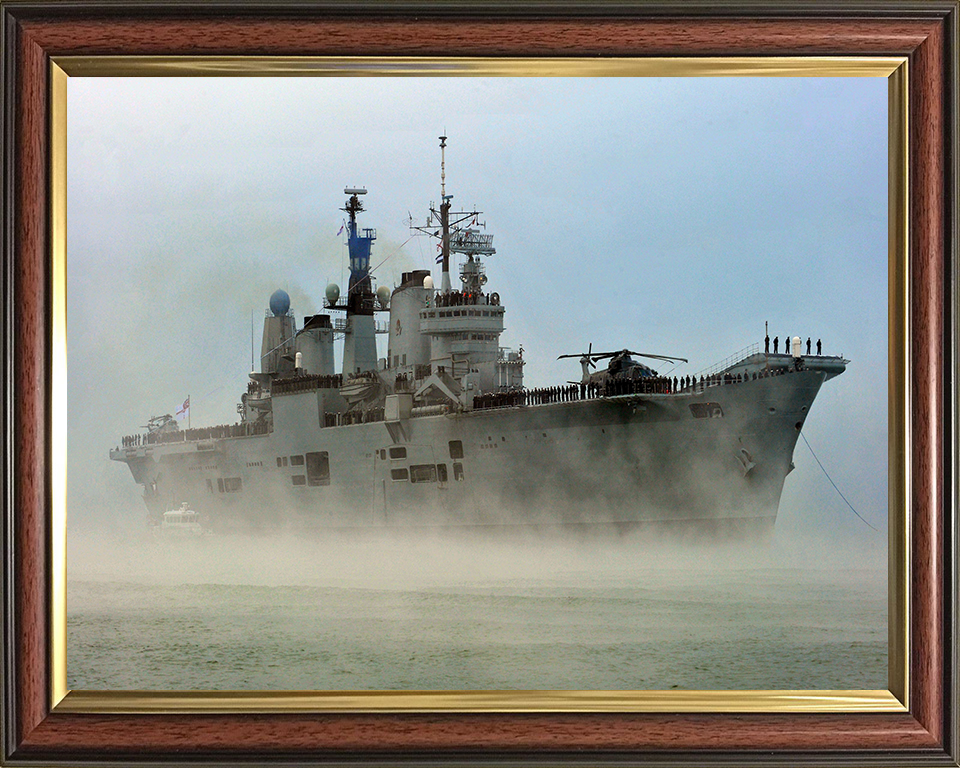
x,y
672,216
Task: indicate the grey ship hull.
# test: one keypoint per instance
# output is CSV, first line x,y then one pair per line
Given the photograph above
x,y
712,458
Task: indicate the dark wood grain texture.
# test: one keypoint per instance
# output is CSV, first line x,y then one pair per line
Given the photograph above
x,y
928,309
442,37
30,417
920,737
222,735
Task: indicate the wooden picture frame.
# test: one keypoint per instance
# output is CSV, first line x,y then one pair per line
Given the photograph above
x,y
36,732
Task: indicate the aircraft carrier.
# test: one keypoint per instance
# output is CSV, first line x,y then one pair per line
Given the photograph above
x,y
443,433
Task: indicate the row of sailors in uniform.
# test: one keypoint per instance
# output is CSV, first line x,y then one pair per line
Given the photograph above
x,y
201,433
615,386
208,433
462,298
571,392
315,380
786,345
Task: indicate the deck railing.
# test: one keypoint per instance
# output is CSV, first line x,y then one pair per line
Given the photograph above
x,y
733,359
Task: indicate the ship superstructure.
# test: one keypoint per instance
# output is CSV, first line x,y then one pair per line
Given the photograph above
x,y
441,431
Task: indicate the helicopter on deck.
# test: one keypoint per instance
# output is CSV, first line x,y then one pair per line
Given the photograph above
x,y
621,365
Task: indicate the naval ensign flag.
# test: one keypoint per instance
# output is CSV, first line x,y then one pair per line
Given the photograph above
x,y
184,410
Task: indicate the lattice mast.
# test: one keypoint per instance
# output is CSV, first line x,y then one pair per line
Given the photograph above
x,y
456,235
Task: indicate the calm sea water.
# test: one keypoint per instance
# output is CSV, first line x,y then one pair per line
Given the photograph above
x,y
282,613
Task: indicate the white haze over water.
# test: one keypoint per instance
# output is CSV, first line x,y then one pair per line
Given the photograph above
x,y
433,611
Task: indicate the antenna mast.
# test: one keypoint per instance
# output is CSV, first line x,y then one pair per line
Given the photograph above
x,y
443,173
456,234
444,220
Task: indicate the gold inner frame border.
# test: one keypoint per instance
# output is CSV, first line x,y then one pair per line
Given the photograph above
x,y
895,699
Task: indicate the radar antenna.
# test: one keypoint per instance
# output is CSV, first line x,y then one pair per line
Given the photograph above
x,y
354,206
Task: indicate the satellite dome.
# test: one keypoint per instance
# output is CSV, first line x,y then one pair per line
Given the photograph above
x,y
332,293
428,283
383,296
280,302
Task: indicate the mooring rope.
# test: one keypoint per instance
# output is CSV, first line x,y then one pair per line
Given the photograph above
x,y
834,484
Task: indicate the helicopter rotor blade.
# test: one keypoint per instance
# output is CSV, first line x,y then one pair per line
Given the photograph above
x,y
591,356
594,356
656,357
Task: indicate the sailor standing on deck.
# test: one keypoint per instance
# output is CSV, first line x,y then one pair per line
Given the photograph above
x,y
776,343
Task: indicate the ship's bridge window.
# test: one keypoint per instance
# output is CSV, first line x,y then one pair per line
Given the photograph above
x,y
296,461
398,474
398,452
318,468
441,473
299,480
458,471
456,449
423,473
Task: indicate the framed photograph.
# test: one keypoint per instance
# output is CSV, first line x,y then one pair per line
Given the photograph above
x,y
224,223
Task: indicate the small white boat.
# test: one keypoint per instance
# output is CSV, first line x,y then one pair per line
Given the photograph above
x,y
181,523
